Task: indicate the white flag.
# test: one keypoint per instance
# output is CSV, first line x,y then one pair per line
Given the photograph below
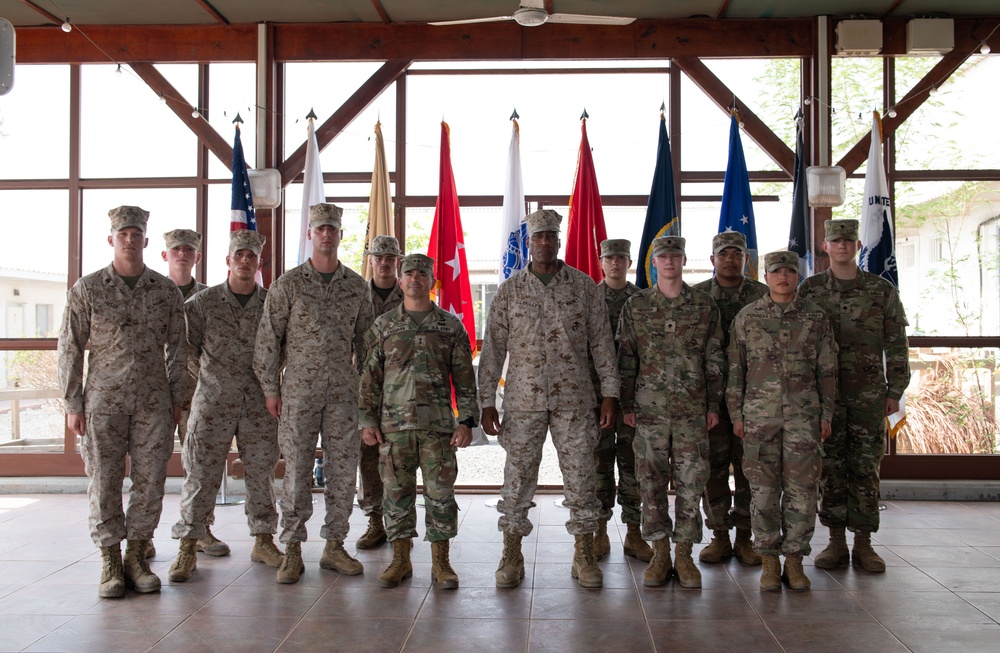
x,y
513,228
312,189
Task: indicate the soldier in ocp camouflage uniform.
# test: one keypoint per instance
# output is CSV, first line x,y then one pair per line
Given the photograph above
x,y
869,325
416,353
671,360
615,444
383,261
314,321
222,324
781,391
132,318
731,291
552,320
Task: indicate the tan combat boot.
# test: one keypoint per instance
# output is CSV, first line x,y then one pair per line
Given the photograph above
x,y
864,556
264,550
835,554
687,573
511,568
660,567
291,565
719,550
441,571
585,568
374,535
185,563
112,585
770,575
336,558
794,575
212,546
743,548
400,568
137,573
150,549
602,543
635,546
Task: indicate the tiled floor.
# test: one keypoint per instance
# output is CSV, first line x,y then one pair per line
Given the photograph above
x,y
941,593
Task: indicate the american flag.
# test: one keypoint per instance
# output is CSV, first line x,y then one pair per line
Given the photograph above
x,y
242,215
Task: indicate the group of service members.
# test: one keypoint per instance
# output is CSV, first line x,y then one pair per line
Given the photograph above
x,y
673,384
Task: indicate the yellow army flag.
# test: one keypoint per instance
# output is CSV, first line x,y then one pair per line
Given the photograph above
x,y
380,218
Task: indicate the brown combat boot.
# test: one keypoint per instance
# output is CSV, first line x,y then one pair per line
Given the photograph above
x,y
264,550
585,568
660,567
743,548
770,575
336,558
375,534
291,565
719,550
635,546
137,573
511,568
687,573
185,563
112,585
210,545
794,575
835,554
150,549
400,568
602,543
441,571
864,556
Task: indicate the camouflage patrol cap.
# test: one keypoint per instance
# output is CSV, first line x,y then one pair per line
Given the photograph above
x,y
246,239
668,245
776,260
837,229
616,247
325,215
128,216
728,239
417,262
383,246
544,220
179,237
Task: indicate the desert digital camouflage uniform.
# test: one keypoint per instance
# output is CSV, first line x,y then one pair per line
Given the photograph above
x,y
868,322
136,374
317,330
192,367
551,333
671,362
615,444
229,401
782,383
405,391
723,508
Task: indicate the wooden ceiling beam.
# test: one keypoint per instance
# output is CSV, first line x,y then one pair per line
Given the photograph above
x,y
215,13
754,127
31,5
380,10
348,111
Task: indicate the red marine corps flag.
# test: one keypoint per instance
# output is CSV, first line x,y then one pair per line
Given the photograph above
x,y
452,291
585,229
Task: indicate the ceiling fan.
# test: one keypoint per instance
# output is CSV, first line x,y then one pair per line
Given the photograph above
x,y
532,13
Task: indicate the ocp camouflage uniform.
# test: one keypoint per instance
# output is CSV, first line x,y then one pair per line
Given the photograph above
x,y
370,488
615,443
317,329
136,374
868,322
229,401
671,361
551,332
405,391
723,508
782,383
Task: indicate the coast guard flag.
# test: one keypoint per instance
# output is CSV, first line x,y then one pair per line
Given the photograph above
x,y
878,248
312,188
737,208
513,229
800,238
661,209
242,215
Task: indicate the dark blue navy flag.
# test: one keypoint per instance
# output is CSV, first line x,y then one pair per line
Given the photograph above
x,y
737,208
800,238
242,216
661,210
